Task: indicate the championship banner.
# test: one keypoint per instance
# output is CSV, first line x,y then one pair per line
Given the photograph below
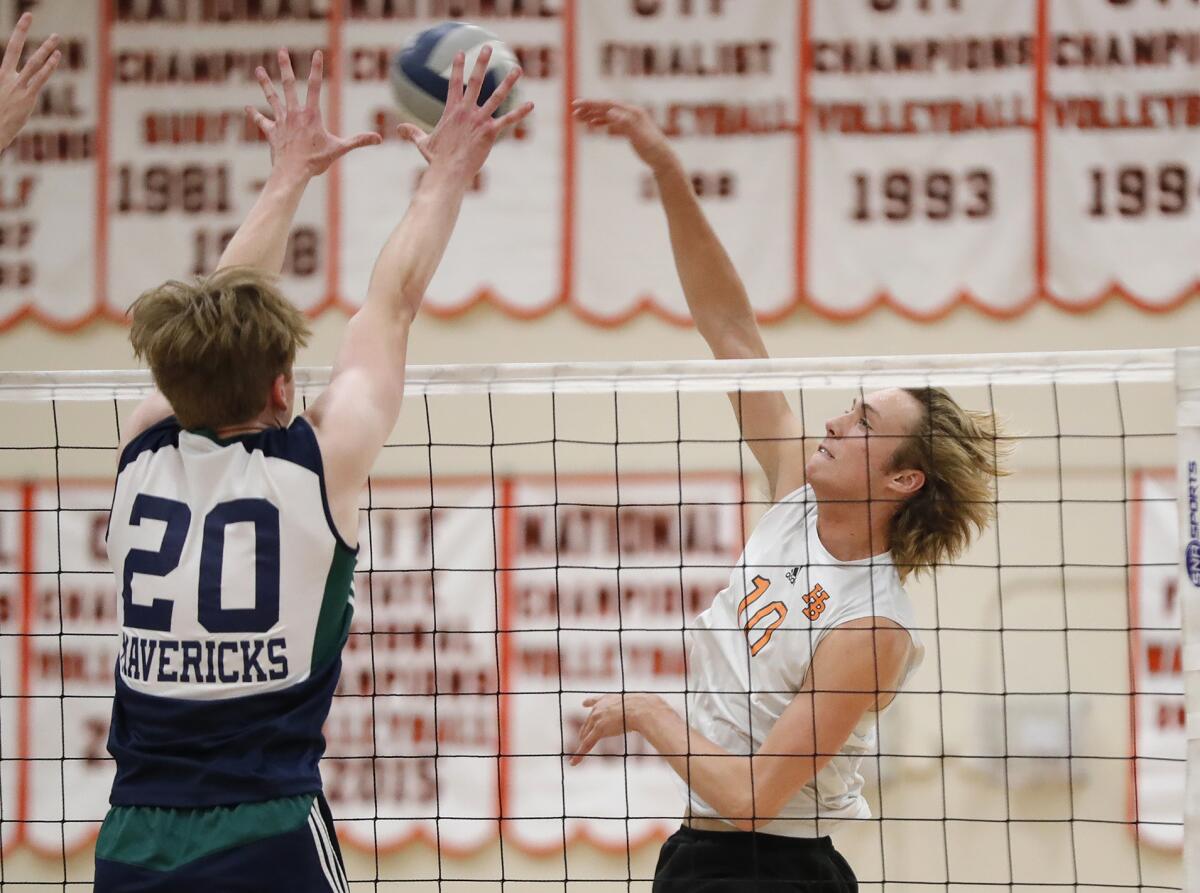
x,y
1156,664
538,598
919,154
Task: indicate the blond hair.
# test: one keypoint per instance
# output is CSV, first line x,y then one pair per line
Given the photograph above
x,y
960,452
216,345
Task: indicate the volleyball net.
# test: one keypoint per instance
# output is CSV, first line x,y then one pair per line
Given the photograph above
x,y
536,534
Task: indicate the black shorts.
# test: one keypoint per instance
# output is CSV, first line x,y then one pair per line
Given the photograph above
x,y
694,861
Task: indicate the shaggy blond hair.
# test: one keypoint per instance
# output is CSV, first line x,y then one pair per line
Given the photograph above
x,y
216,345
960,452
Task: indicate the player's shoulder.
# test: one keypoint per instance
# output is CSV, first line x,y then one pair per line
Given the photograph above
x,y
880,591
297,443
161,435
300,443
784,520
792,507
802,498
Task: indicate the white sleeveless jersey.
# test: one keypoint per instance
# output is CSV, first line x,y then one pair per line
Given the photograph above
x,y
236,595
748,654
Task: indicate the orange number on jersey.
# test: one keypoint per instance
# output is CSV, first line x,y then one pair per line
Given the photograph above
x,y
761,585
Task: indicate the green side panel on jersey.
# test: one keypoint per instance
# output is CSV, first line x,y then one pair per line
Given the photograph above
x,y
161,839
337,610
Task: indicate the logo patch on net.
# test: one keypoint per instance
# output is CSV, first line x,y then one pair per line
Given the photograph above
x,y
1192,561
1191,555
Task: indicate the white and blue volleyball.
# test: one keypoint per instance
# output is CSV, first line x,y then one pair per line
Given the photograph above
x,y
420,71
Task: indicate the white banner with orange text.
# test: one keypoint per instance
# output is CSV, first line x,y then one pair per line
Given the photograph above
x,y
916,154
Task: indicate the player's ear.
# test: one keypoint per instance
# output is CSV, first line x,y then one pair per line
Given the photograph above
x,y
279,392
908,481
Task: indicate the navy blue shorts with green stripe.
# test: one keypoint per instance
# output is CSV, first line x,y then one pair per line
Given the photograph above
x,y
286,844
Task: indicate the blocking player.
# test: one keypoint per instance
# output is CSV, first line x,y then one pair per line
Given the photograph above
x,y
234,526
814,635
21,84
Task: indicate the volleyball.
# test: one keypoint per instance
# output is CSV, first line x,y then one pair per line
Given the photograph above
x,y
420,70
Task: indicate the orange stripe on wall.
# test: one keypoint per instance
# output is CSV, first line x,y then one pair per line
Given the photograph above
x,y
24,722
803,87
333,195
103,114
568,199
504,592
1041,47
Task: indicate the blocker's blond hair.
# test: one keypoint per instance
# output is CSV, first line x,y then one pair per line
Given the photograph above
x,y
960,452
217,344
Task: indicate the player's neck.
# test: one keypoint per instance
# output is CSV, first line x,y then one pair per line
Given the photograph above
x,y
852,531
262,422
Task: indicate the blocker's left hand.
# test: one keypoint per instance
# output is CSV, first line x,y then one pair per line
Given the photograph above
x,y
467,131
19,87
296,133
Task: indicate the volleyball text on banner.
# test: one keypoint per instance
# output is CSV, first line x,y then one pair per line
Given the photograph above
x,y
920,155
1160,725
720,79
950,150
1123,151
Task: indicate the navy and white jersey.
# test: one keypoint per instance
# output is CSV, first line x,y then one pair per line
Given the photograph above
x,y
236,596
749,653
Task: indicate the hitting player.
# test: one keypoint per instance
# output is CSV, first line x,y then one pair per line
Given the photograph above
x,y
790,665
234,526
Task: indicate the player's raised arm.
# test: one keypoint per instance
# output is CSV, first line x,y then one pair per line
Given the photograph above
x,y
301,148
714,291
354,416
20,84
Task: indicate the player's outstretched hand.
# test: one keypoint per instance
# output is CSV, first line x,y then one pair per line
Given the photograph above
x,y
629,121
19,89
467,131
296,133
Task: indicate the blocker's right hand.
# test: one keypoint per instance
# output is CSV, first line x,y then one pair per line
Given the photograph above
x,y
630,121
466,132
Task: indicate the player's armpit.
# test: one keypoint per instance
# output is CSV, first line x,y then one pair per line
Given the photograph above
x,y
856,665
